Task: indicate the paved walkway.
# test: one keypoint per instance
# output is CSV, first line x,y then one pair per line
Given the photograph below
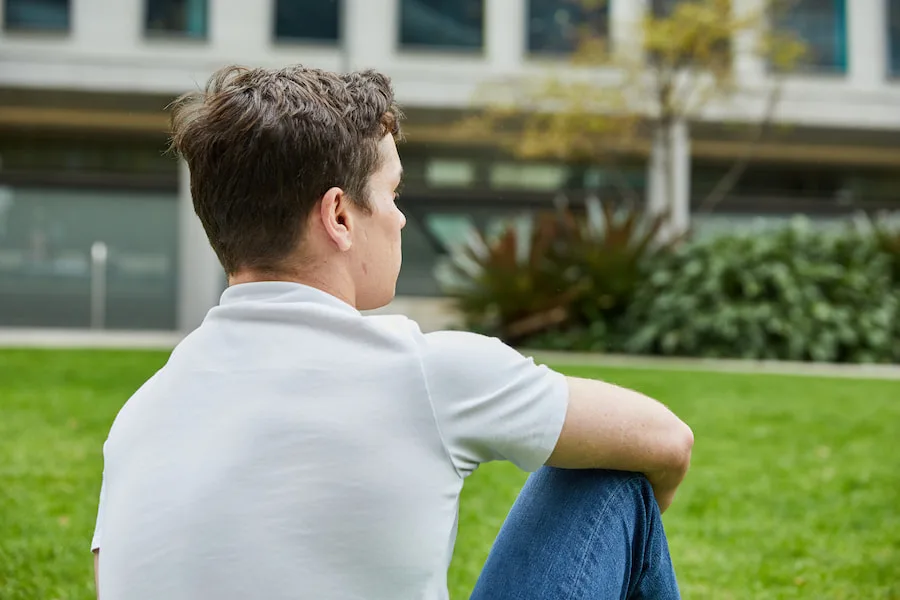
x,y
719,365
86,338
142,340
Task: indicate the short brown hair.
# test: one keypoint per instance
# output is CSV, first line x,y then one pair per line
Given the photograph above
x,y
263,146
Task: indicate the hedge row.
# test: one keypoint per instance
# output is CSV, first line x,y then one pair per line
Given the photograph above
x,y
599,283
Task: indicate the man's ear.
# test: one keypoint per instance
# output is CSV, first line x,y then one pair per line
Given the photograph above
x,y
337,217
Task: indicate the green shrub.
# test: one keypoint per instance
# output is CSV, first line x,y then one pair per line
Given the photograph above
x,y
887,232
596,337
794,294
599,283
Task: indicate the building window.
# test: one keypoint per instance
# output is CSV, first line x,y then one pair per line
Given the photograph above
x,y
530,176
46,267
180,17
37,15
894,36
308,20
448,24
822,26
450,173
557,26
795,188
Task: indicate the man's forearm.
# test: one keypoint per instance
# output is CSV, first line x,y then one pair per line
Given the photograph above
x,y
97,572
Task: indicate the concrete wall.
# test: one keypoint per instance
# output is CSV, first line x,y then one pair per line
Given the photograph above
x,y
107,50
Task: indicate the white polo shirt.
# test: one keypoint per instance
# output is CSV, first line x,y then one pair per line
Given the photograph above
x,y
294,448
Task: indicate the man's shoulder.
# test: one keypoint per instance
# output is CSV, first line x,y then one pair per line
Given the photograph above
x,y
133,412
393,324
436,342
473,346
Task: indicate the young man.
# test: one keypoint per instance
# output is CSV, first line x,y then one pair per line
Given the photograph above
x,y
293,448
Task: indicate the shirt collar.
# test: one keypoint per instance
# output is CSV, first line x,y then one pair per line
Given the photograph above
x,y
281,292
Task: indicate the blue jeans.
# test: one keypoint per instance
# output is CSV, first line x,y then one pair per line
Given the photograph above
x,y
580,535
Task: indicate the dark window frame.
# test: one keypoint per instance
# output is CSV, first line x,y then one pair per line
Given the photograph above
x,y
805,187
893,38
31,28
439,49
602,15
841,66
340,18
184,34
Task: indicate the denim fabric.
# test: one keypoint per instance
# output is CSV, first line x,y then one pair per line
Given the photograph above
x,y
580,535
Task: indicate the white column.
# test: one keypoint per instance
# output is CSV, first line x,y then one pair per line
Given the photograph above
x,y
658,192
867,41
505,31
240,29
750,67
200,277
370,34
625,27
118,24
681,165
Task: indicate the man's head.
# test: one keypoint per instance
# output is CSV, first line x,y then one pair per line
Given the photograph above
x,y
294,175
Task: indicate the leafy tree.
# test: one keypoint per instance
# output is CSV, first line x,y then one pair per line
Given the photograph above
x,y
644,88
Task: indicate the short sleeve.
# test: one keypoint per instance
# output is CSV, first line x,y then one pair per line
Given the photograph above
x,y
492,403
98,527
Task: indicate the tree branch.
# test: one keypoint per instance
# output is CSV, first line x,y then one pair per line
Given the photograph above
x,y
730,179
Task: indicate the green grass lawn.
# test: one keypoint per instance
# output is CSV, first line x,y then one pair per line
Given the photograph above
x,y
794,491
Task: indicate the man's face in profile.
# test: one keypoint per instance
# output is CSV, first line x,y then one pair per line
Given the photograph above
x,y
378,239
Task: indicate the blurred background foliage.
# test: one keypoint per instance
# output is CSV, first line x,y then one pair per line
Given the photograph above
x,y
601,280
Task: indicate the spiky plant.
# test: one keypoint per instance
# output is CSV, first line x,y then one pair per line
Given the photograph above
x,y
562,271
513,286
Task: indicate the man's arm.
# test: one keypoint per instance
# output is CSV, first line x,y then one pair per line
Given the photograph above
x,y
610,427
97,572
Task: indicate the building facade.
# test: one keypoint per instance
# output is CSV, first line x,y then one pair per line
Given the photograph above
x,y
96,224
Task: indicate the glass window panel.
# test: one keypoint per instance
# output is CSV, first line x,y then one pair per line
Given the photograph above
x,y
451,229
431,233
538,177
37,15
98,155
314,20
183,17
421,254
894,36
826,184
556,26
600,179
45,261
449,173
822,26
451,24
455,230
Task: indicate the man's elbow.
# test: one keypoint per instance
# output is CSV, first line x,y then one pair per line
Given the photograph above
x,y
679,447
